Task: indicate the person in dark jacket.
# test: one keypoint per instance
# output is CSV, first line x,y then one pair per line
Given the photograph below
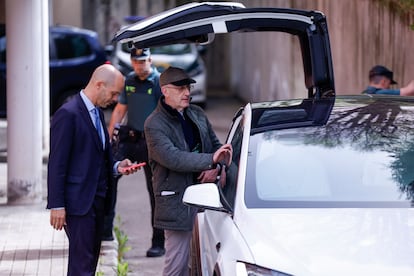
x,y
380,81
138,99
182,148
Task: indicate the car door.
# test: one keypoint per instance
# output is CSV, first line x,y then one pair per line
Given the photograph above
x,y
3,99
199,22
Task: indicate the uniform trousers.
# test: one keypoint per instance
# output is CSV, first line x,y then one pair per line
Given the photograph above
x,y
135,151
177,253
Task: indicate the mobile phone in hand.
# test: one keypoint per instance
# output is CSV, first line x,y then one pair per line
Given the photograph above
x,y
133,166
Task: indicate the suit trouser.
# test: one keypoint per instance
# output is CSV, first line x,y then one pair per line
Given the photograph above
x,y
84,234
137,152
177,253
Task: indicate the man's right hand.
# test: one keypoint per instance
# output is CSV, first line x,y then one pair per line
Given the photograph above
x,y
58,218
407,90
223,155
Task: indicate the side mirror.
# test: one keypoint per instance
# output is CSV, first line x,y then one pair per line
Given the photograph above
x,y
205,195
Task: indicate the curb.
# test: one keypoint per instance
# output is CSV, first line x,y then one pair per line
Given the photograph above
x,y
108,259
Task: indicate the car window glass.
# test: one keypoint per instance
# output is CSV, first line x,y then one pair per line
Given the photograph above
x,y
3,49
2,43
232,173
174,49
71,46
125,48
299,168
311,182
236,142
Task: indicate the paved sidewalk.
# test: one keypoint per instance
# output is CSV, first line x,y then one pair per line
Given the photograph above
x,y
29,246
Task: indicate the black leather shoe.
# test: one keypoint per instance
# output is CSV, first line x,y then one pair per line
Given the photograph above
x,y
107,238
155,251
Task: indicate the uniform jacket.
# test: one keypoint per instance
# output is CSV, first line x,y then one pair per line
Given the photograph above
x,y
174,165
374,90
141,96
77,161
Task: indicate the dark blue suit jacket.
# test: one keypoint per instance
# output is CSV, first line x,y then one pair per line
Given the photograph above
x,y
77,160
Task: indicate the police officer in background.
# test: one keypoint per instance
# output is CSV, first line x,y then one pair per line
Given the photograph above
x,y
380,81
137,101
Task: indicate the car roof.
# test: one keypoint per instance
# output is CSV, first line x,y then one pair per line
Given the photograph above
x,y
72,29
295,113
288,114
199,22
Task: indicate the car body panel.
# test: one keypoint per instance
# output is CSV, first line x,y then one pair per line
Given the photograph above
x,y
158,21
313,241
362,232
198,24
212,229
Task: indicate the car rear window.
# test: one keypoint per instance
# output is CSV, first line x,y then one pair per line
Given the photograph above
x,y
174,49
71,46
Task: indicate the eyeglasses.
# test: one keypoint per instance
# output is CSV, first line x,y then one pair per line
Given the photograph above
x,y
181,88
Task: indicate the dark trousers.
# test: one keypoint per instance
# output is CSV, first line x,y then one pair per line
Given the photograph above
x,y
136,151
84,235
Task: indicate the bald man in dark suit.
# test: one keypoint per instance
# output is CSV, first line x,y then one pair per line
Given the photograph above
x,y
80,169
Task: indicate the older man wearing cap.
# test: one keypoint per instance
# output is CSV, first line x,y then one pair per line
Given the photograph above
x,y
181,146
380,81
139,98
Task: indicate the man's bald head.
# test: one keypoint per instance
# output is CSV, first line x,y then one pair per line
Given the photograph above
x,y
105,85
107,73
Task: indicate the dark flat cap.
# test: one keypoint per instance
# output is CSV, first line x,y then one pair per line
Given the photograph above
x,y
175,76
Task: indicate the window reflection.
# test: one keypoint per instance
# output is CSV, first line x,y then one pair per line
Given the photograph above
x,y
363,156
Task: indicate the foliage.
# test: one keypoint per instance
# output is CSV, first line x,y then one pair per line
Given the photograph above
x,y
405,5
400,6
122,268
122,240
404,8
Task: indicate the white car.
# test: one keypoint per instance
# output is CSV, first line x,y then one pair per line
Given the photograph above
x,y
185,56
318,186
312,199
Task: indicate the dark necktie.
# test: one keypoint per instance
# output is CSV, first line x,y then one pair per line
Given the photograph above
x,y
98,124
